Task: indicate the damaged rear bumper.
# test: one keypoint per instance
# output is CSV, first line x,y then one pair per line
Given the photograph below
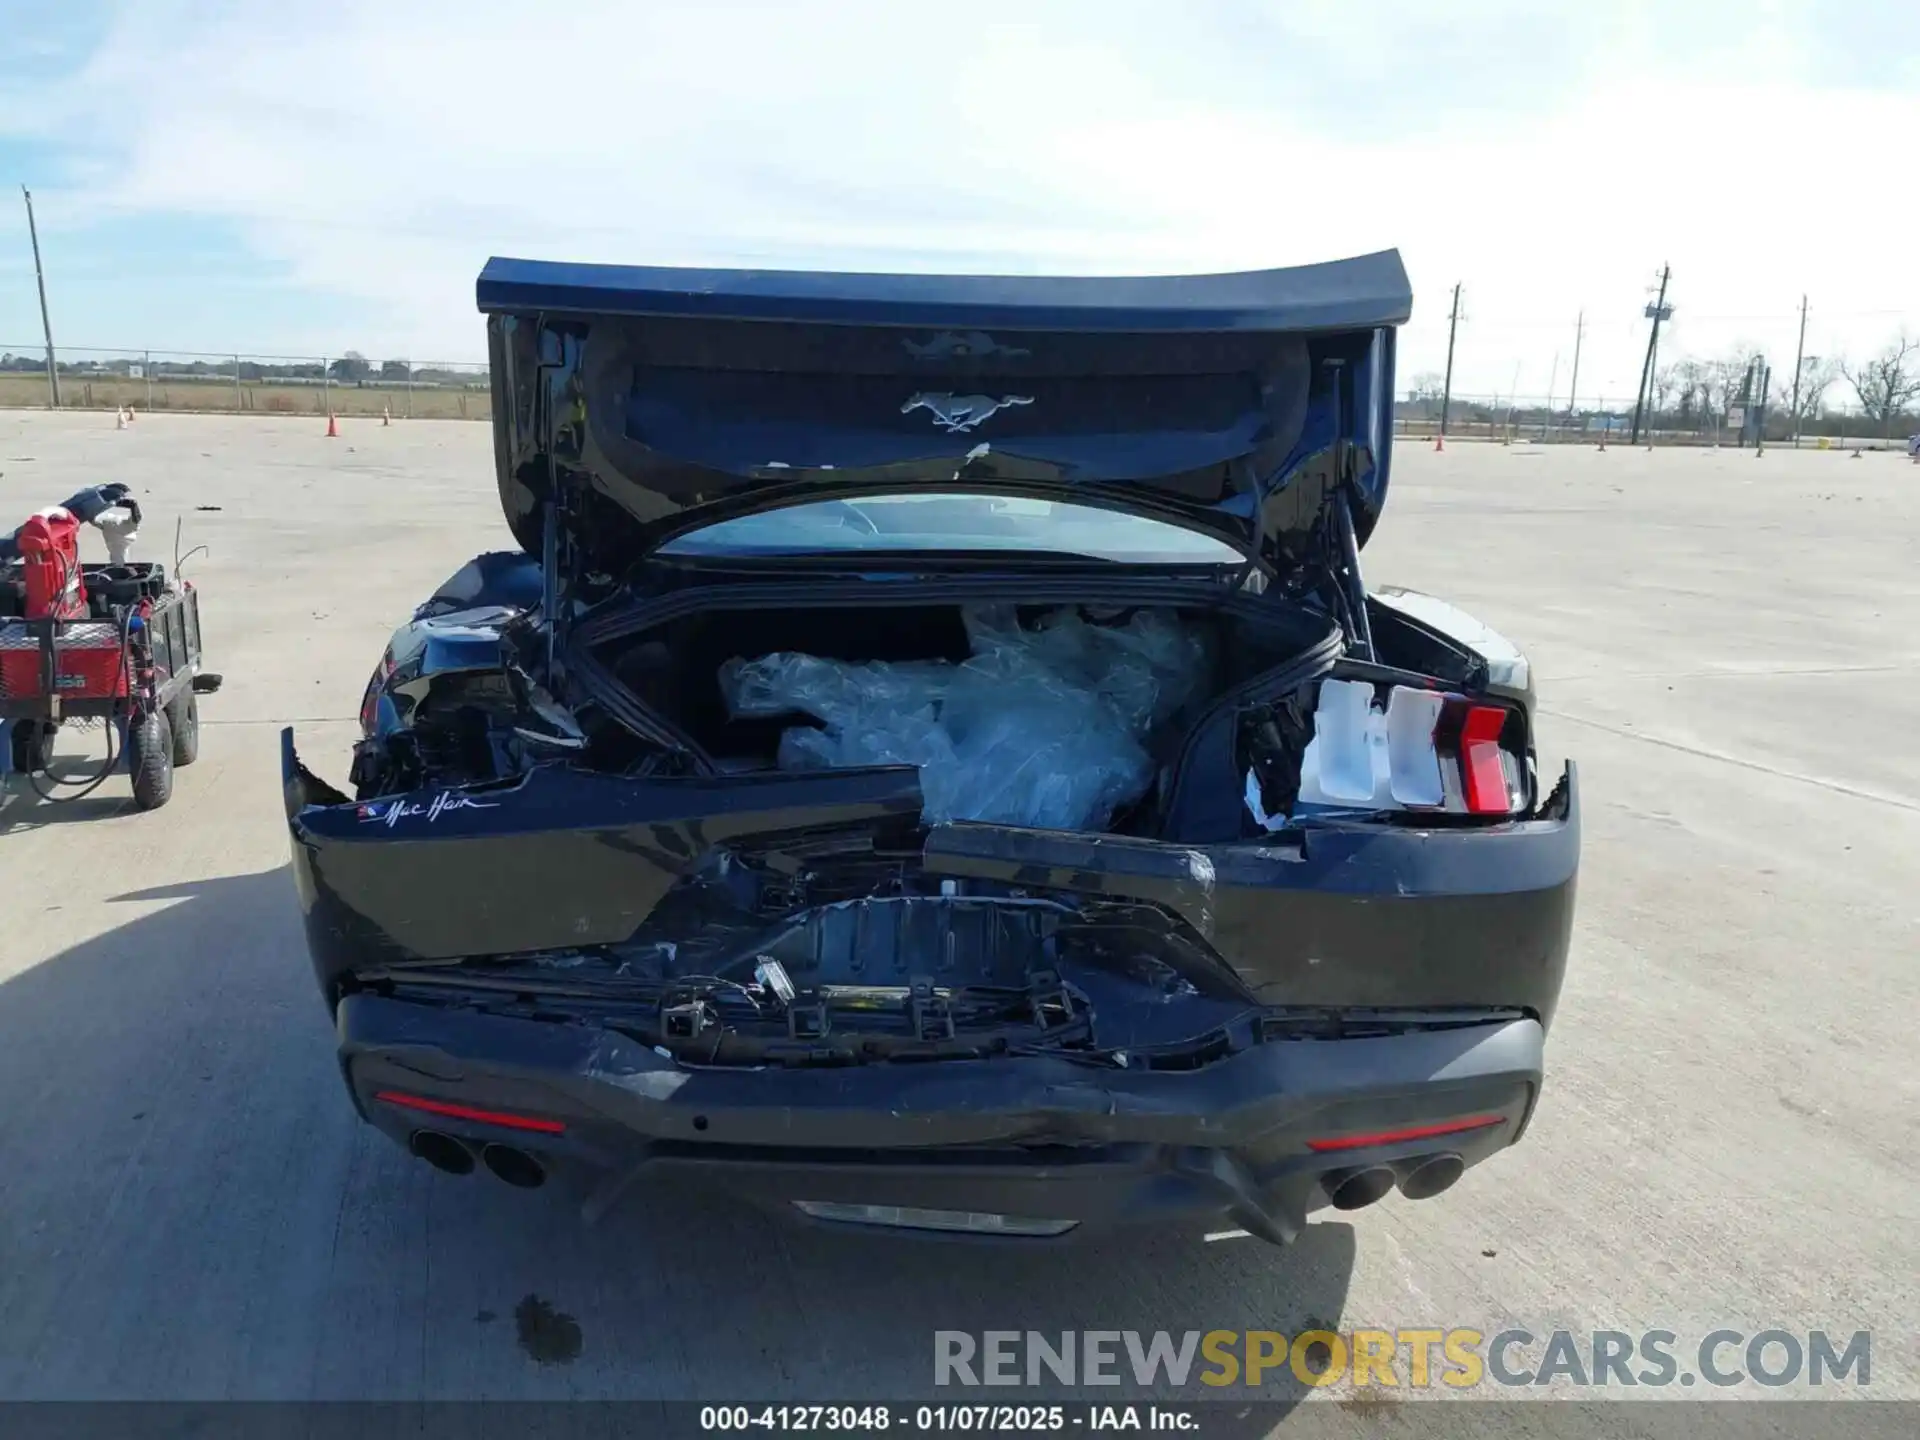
x,y
1353,916
1353,921
1254,1141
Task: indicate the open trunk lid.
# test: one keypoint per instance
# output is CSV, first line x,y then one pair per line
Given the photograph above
x,y
1235,405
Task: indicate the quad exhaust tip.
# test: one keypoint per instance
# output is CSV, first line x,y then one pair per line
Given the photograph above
x,y
516,1167
443,1152
1425,1178
1357,1189
1420,1178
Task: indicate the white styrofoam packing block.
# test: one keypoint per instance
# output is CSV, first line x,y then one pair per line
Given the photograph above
x,y
1413,763
1364,757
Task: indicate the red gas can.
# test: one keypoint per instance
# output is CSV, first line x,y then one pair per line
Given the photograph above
x,y
50,559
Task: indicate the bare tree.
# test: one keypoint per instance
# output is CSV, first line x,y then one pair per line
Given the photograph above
x,y
1667,383
1690,382
1816,378
1887,382
1703,389
1719,382
1425,392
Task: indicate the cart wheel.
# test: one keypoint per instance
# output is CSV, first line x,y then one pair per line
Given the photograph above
x,y
32,742
183,718
150,759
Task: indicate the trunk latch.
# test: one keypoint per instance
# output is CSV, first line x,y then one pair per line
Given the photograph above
x,y
1051,1000
808,1021
685,1021
929,1014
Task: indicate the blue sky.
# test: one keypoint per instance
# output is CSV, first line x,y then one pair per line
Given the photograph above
x,y
289,180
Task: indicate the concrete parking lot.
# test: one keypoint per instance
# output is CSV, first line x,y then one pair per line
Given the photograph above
x,y
1730,1135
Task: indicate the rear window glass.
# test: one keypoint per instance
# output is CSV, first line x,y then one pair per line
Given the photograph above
x,y
894,523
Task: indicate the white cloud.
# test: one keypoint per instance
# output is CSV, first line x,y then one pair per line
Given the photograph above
x,y
1549,160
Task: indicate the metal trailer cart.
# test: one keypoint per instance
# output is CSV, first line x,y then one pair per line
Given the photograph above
x,y
115,644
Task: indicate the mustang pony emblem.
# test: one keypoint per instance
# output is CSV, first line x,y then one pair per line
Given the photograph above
x,y
955,413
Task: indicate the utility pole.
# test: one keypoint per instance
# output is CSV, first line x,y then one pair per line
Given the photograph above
x,y
1751,398
46,325
1656,312
1799,354
1653,385
1446,390
1579,331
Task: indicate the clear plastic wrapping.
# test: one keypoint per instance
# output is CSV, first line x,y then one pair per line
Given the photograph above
x,y
1044,727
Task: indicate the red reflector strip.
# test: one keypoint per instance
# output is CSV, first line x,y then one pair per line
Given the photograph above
x,y
1483,779
468,1112
1412,1132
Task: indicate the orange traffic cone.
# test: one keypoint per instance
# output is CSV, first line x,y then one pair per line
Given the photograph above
x,y
386,415
1440,442
120,419
333,429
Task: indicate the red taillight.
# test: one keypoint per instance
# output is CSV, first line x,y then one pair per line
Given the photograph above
x,y
1412,1132
468,1112
1483,774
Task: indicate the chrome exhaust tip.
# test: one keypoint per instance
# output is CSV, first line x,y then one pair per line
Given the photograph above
x,y
1425,1178
443,1152
516,1167
1357,1189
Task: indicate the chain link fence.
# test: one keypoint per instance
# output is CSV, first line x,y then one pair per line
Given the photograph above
x,y
1539,420
198,382
1515,417
317,385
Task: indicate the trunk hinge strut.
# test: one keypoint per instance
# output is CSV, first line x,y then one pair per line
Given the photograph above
x,y
558,552
1359,630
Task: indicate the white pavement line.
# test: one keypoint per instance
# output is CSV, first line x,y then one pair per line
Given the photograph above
x,y
1899,802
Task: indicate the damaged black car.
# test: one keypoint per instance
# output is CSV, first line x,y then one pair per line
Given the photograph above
x,y
932,762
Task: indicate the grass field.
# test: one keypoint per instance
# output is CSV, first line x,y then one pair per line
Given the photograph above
x,y
28,391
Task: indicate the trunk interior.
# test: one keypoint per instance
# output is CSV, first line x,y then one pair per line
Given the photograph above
x,y
1157,668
